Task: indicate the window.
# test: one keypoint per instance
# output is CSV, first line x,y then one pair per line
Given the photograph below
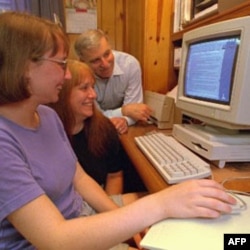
x,y
46,9
4,5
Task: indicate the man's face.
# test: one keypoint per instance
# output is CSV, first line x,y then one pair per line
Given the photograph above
x,y
100,59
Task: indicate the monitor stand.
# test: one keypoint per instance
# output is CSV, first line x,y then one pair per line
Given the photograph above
x,y
214,144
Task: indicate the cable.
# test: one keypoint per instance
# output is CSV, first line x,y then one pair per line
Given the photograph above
x,y
233,179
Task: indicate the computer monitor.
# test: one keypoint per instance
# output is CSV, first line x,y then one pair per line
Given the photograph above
x,y
214,79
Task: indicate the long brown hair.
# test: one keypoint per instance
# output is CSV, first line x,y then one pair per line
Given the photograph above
x,y
98,129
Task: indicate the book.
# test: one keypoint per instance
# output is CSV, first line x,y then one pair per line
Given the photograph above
x,y
183,13
177,12
186,11
205,3
177,57
207,11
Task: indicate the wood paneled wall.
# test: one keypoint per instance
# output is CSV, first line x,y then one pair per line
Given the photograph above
x,y
157,45
112,20
141,28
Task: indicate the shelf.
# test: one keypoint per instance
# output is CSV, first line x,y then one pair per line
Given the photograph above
x,y
242,9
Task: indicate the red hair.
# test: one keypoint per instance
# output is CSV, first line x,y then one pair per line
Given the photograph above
x,y
98,129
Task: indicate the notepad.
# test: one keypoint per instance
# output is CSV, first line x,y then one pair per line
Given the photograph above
x,y
197,234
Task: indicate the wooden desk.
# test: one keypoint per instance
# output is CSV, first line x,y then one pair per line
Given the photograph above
x,y
152,179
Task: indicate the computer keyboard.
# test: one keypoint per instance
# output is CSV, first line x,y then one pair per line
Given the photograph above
x,y
173,161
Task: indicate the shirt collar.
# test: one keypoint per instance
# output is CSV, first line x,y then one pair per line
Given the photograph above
x,y
117,69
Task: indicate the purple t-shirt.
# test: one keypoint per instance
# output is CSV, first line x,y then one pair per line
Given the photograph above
x,y
35,162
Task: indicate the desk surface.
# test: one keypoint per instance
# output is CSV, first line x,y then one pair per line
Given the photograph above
x,y
154,182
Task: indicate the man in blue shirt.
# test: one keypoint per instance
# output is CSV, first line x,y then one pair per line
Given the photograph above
x,y
118,80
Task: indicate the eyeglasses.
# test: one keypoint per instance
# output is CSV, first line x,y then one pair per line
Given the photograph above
x,y
62,63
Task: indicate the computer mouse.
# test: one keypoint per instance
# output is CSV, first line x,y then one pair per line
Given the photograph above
x,y
240,204
150,120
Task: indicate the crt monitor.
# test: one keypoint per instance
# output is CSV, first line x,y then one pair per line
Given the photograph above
x,y
214,77
214,87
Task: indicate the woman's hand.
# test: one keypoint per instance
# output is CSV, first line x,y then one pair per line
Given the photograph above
x,y
196,198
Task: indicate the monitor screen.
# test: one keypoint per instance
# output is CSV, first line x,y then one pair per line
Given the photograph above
x,y
210,68
214,76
